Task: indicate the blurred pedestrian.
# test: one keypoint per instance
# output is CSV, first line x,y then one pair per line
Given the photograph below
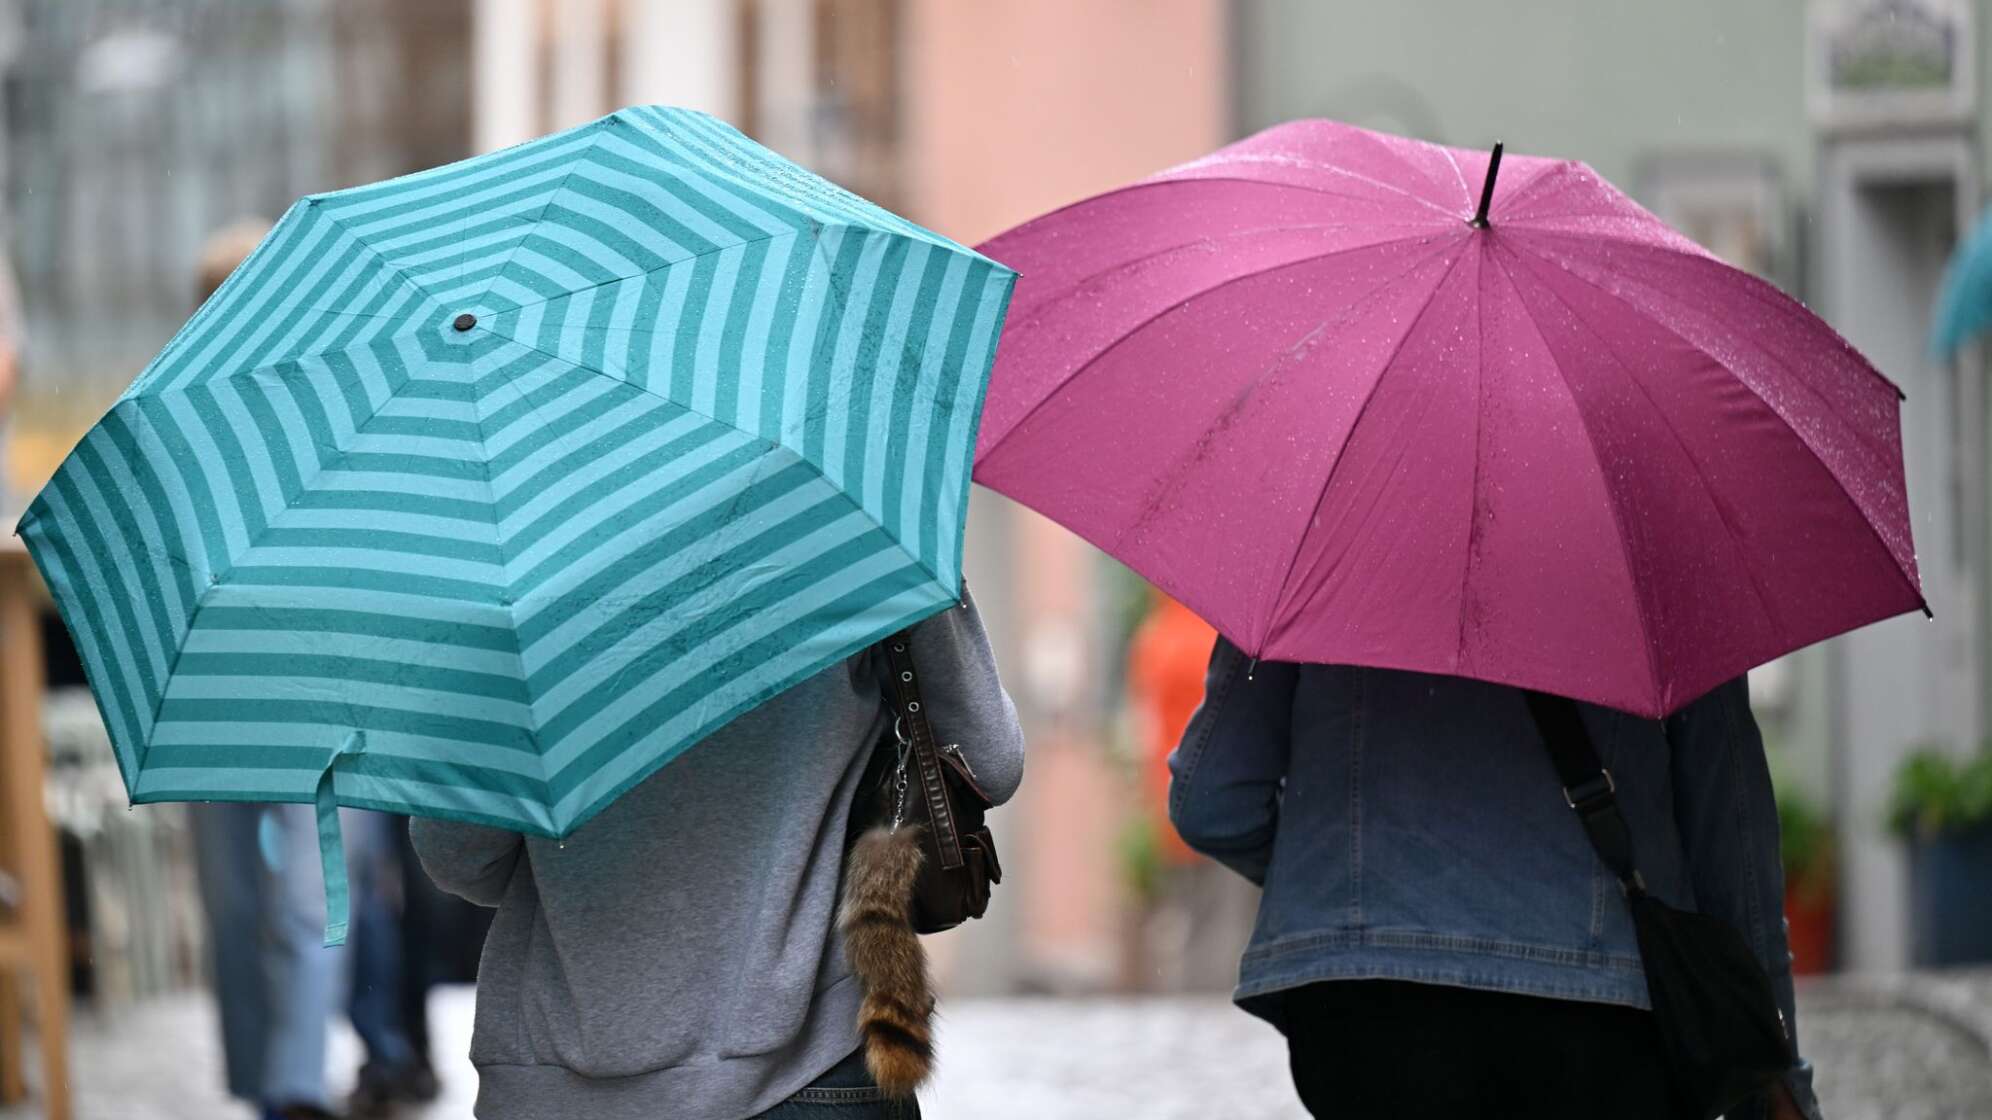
x,y
678,955
276,984
442,937
1201,912
1436,936
393,1072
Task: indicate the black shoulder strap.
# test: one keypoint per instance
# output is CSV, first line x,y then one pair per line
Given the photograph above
x,y
1587,785
906,705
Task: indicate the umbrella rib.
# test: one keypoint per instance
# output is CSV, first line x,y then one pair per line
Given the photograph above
x,y
366,314
1465,191
251,541
1328,481
172,667
644,389
792,231
198,321
1157,183
1077,286
1728,526
843,302
1305,165
816,248
1611,504
504,565
574,165
710,145
1348,313
1479,444
1172,308
1522,191
1761,291
1802,441
774,444
393,269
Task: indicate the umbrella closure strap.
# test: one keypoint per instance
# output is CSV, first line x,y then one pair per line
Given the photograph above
x,y
332,846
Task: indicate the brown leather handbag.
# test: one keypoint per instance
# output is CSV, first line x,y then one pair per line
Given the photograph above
x,y
912,780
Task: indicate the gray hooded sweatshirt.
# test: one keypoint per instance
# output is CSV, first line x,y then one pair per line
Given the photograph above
x,y
676,956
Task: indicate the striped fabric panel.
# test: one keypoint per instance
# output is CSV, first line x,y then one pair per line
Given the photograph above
x,y
708,435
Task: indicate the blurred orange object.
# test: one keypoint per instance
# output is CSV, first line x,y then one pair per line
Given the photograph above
x,y
1809,920
1166,664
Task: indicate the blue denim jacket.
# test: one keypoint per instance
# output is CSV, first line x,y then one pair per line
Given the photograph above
x,y
1411,827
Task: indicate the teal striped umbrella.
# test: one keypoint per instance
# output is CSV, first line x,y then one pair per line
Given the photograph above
x,y
483,492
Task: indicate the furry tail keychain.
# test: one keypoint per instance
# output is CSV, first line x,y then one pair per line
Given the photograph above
x,y
896,1018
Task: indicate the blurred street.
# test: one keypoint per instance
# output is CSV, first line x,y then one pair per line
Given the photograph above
x,y
1916,1047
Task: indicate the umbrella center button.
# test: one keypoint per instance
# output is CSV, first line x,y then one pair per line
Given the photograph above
x,y
464,321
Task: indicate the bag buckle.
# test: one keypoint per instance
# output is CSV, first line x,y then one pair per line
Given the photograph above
x,y
1591,794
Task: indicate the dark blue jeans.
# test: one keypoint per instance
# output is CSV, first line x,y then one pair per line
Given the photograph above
x,y
374,1001
845,1092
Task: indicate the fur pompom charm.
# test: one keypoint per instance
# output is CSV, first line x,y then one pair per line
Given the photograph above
x,y
896,1018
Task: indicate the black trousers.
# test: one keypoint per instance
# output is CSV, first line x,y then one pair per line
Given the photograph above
x,y
1381,1049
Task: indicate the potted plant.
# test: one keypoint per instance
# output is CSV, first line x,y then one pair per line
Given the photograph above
x,y
1810,878
1942,808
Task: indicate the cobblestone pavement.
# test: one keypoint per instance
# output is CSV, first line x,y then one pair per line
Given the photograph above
x,y
1910,1048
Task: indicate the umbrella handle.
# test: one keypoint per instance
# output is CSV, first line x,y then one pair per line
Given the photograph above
x,y
1487,189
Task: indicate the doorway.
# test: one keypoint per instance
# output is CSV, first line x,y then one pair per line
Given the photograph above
x,y
1890,212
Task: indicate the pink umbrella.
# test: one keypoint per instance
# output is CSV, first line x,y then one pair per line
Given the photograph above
x,y
1303,386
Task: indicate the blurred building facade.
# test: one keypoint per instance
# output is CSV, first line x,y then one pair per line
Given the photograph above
x,y
1836,147
129,131
134,128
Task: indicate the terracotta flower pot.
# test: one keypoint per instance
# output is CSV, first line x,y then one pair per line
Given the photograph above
x,y
1810,914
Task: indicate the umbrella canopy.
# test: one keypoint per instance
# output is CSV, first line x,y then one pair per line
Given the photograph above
x,y
483,492
1964,308
1300,387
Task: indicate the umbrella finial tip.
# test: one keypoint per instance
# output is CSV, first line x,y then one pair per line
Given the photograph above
x,y
1487,189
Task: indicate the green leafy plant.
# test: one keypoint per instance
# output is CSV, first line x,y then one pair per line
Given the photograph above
x,y
1806,833
1936,793
1805,830
1139,851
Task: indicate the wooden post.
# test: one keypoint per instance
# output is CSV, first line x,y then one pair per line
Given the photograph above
x,y
13,1085
13,1077
33,942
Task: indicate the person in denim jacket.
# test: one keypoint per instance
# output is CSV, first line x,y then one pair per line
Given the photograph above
x,y
1436,936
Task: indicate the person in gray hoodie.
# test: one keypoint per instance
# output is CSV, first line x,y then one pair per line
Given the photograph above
x,y
677,955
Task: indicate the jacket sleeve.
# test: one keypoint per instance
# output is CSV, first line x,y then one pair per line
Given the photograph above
x,y
1227,774
966,703
470,861
1728,822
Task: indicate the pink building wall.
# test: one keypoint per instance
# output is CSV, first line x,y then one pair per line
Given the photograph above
x,y
1014,107
1017,106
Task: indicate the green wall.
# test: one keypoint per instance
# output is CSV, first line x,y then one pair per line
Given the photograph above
x,y
1604,81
